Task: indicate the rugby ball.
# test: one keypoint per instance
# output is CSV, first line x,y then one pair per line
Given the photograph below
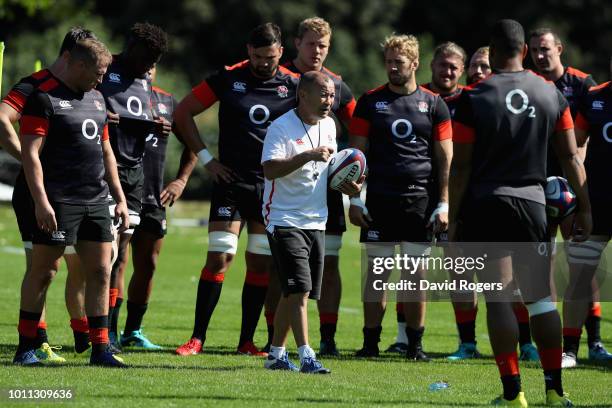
x,y
560,198
345,166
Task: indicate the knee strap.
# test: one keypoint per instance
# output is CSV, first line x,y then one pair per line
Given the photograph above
x,y
258,244
333,243
541,306
222,241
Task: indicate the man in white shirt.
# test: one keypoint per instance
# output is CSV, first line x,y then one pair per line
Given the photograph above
x,y
295,158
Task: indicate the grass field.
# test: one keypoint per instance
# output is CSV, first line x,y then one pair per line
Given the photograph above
x,y
221,378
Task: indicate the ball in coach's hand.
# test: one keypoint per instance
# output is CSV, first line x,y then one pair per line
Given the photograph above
x,y
345,166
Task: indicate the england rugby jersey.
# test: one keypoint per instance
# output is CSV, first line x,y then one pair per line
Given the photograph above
x,y
247,106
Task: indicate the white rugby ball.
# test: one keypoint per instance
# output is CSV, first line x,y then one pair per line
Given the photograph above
x,y
345,166
560,198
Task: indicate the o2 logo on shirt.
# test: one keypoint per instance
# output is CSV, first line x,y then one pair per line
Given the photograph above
x,y
604,132
524,103
255,114
402,128
89,129
153,138
134,106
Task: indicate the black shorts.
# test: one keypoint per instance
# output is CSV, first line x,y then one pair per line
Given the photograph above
x,y
298,258
503,219
502,226
77,223
236,202
23,205
336,221
396,219
132,183
152,220
602,216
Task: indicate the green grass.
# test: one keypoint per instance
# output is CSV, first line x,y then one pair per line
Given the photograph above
x,y
221,378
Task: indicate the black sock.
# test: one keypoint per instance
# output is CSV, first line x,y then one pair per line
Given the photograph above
x,y
524,333
270,333
114,318
135,313
81,341
208,296
253,298
328,332
570,344
399,316
111,312
41,337
415,337
467,331
512,386
97,324
371,337
592,326
29,320
552,380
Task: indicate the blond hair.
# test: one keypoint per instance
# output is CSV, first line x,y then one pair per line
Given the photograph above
x,y
482,51
407,45
450,48
316,25
91,51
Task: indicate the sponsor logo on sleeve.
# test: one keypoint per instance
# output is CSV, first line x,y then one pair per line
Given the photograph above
x,y
114,77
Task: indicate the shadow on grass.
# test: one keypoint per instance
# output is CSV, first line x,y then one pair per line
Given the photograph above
x,y
8,350
85,365
309,400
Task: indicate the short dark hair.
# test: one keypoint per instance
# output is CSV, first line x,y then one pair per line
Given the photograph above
x,y
508,38
74,35
154,39
538,32
265,35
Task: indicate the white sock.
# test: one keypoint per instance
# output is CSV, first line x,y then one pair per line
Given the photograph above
x,y
305,351
277,352
401,333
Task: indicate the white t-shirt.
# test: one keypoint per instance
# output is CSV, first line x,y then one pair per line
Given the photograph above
x,y
298,199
